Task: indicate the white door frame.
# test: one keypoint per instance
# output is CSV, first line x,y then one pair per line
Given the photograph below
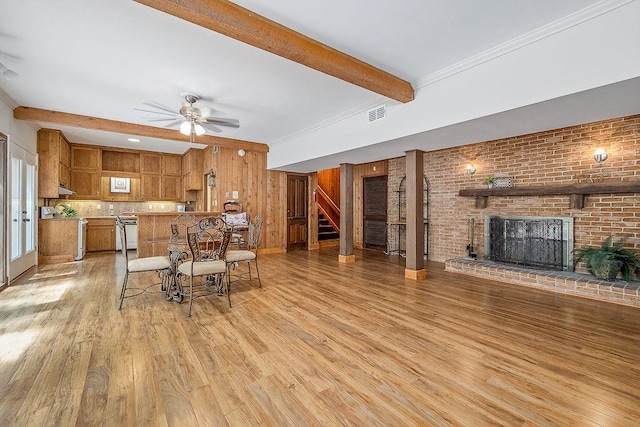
x,y
4,257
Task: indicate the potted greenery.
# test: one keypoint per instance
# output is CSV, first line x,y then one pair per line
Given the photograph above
x,y
489,182
610,258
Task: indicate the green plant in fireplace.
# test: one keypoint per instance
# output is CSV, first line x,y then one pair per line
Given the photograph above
x,y
606,261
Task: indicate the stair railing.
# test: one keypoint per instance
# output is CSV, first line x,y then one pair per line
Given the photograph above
x,y
329,209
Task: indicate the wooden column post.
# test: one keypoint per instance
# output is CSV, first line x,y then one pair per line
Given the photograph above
x,y
414,267
346,213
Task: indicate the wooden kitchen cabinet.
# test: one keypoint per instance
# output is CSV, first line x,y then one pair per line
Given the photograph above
x,y
101,234
151,186
57,240
171,187
85,157
150,163
172,164
53,163
86,184
192,170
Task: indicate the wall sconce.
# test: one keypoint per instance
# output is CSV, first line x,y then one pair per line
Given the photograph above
x,y
241,152
470,169
600,155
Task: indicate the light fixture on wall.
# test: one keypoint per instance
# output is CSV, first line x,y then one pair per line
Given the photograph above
x,y
600,155
241,152
470,169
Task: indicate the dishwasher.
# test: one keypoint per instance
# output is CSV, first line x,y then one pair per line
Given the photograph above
x,y
131,228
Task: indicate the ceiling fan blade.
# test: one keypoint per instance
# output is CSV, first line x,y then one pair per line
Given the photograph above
x,y
172,124
220,121
158,112
159,107
211,127
164,119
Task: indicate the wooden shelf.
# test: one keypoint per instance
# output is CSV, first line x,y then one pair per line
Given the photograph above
x,y
576,192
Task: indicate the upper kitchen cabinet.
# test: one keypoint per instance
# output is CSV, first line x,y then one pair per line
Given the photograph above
x,y
192,170
121,163
86,184
86,167
172,164
86,157
150,163
54,161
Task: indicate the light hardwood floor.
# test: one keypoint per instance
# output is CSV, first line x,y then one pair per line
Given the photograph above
x,y
321,343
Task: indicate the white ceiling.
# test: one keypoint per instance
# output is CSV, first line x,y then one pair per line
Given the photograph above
x,y
105,58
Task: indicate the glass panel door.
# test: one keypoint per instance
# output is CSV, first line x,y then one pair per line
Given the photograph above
x,y
23,211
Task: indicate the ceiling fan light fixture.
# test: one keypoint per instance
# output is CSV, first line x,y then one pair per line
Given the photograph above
x,y
185,128
199,130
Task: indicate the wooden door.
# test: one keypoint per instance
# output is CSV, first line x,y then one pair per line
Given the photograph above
x,y
375,212
297,218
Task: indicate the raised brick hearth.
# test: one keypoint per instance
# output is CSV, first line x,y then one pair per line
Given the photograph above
x,y
582,285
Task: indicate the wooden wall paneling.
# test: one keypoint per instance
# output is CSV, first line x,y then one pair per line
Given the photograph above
x,y
274,232
329,180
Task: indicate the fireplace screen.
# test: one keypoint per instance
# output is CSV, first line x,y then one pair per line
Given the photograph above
x,y
531,241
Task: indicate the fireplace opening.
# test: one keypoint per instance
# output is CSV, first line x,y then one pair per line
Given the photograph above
x,y
542,242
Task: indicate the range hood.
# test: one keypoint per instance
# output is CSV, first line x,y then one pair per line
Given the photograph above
x,y
62,191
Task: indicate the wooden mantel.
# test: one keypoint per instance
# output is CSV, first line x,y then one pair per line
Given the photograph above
x,y
576,192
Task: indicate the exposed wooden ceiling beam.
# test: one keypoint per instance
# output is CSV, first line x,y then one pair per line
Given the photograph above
x,y
244,25
106,125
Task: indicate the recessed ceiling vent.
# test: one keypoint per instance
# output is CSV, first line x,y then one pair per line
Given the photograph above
x,y
377,113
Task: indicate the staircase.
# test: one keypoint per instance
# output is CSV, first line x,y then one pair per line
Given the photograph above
x,y
325,229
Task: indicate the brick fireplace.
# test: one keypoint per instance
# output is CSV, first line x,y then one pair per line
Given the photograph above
x,y
552,174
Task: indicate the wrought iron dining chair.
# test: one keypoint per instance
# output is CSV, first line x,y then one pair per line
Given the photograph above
x,y
235,257
178,252
208,242
159,264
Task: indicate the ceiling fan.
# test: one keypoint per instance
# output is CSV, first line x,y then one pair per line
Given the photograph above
x,y
192,120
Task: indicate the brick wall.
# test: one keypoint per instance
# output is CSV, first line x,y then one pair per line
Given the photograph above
x,y
560,156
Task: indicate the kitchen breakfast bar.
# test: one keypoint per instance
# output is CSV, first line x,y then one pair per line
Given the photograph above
x,y
154,230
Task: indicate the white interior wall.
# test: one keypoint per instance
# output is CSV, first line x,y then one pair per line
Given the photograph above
x,y
593,53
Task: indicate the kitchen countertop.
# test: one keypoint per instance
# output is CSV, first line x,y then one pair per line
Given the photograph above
x,y
113,217
198,213
62,218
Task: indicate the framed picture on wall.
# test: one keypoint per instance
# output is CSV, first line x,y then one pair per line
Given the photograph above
x,y
120,185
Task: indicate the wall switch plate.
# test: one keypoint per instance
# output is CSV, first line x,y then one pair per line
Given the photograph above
x,y
98,206
226,194
235,195
161,205
150,206
110,205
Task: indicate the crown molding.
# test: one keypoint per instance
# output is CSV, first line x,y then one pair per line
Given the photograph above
x,y
548,30
588,13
